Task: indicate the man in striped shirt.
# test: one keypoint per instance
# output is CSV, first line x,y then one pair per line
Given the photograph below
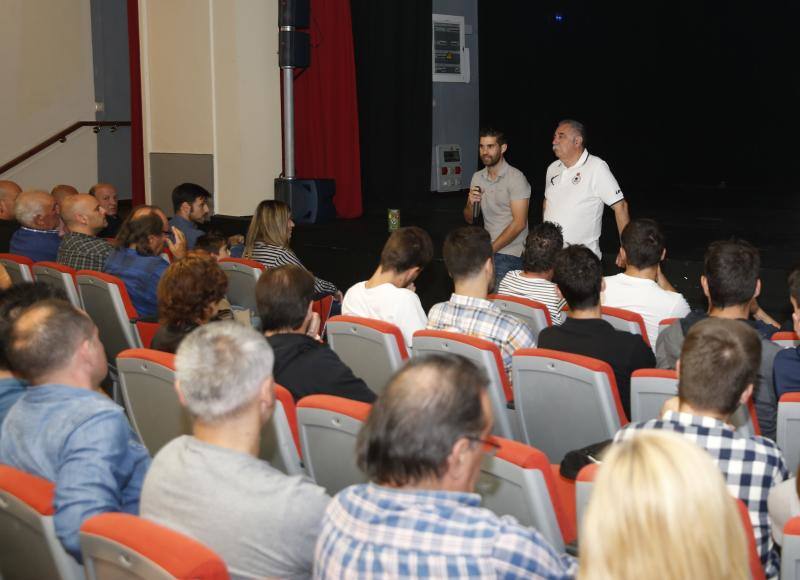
x,y
468,258
422,448
535,280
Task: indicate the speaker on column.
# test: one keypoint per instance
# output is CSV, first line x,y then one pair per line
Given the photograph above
x,y
293,49
294,13
311,200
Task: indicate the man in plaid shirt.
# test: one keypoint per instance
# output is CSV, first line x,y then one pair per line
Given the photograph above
x,y
717,370
81,248
422,448
468,258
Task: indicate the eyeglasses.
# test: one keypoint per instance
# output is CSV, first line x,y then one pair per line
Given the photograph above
x,y
487,445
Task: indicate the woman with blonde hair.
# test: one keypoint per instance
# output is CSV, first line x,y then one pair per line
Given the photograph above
x,y
660,509
268,242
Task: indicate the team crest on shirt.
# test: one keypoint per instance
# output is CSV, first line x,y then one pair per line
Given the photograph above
x,y
577,179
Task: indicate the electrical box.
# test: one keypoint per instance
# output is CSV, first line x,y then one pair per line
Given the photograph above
x,y
449,172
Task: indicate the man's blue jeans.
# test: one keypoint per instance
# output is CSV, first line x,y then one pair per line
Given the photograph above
x,y
503,263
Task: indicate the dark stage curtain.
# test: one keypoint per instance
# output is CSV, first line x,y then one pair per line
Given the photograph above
x,y
393,74
326,111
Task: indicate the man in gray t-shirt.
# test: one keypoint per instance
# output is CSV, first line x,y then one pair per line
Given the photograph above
x,y
501,194
212,486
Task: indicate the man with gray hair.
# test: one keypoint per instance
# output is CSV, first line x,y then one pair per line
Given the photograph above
x,y
211,485
38,237
422,448
577,188
8,222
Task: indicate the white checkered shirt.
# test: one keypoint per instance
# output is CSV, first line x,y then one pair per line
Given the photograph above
x,y
369,531
752,466
482,319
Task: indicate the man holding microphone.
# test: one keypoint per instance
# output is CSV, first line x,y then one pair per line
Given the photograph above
x,y
501,194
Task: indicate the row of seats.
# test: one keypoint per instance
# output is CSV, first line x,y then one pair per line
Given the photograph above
x,y
518,480
556,401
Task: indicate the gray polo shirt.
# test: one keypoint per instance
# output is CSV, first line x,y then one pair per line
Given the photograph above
x,y
510,185
259,520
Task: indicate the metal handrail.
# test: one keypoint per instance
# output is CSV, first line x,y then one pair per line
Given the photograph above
x,y
62,137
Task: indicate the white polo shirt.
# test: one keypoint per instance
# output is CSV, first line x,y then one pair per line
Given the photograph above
x,y
644,297
575,197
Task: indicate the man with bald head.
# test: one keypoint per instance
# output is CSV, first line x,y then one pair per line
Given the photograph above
x,y
38,237
64,428
61,192
80,248
106,194
8,222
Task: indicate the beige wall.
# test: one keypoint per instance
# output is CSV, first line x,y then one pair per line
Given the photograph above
x,y
48,84
213,88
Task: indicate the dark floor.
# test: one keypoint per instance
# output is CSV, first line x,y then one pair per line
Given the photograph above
x,y
347,251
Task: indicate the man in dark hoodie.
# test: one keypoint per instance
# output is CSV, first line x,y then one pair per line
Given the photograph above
x,y
730,282
303,364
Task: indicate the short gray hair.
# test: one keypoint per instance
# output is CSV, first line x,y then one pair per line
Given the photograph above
x,y
28,206
578,127
220,367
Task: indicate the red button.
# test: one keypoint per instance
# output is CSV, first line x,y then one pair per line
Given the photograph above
x,y
444,170
458,170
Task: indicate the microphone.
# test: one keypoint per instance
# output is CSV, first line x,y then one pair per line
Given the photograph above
x,y
476,206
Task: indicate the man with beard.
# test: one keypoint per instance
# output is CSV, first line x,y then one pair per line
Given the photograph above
x,y
576,188
501,194
190,202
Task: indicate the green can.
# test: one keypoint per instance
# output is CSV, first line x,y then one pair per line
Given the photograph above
x,y
394,219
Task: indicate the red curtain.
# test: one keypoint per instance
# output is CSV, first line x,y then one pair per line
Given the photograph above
x,y
326,107
137,144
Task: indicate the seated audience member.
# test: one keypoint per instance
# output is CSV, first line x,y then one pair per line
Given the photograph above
x,y
730,282
189,296
8,221
659,509
303,364
535,280
190,204
214,244
468,258
106,194
80,247
419,516
784,504
38,236
786,367
64,428
717,372
579,276
137,261
643,288
62,192
268,242
211,484
390,294
12,302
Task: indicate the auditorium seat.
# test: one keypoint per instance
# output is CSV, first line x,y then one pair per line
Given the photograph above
x,y
147,379
533,313
786,339
323,308
519,481
485,355
59,276
373,349
242,276
790,555
565,401
29,547
117,546
328,429
626,320
146,331
18,267
788,435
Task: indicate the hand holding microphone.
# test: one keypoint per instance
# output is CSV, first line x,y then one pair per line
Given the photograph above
x,y
475,195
